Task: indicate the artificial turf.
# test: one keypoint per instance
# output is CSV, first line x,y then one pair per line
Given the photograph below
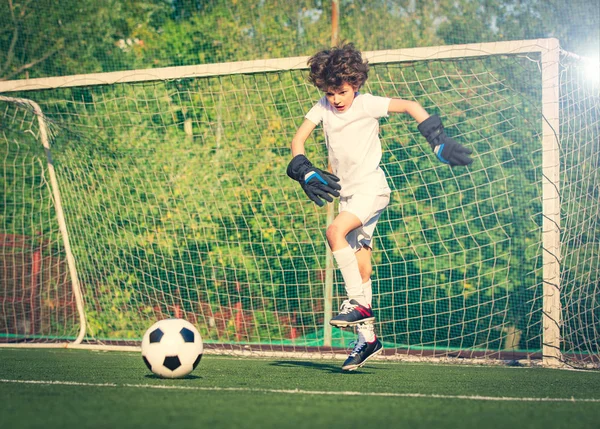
x,y
58,388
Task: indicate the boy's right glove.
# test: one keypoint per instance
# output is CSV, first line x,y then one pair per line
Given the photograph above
x,y
446,148
319,185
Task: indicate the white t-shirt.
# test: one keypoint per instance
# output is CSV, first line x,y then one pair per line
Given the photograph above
x,y
353,143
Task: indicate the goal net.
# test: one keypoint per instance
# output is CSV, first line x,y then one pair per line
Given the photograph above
x,y
162,193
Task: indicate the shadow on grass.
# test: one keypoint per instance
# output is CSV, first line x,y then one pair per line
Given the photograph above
x,y
187,377
326,367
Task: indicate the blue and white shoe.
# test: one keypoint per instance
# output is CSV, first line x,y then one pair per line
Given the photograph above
x,y
362,352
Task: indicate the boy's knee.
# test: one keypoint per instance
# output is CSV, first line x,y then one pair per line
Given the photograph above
x,y
333,234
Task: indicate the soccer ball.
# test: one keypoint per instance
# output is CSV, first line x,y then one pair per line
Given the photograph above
x,y
172,348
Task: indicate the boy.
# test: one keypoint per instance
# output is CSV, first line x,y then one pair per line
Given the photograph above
x,y
351,125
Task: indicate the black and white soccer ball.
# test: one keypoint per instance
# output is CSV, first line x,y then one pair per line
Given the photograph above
x,y
172,348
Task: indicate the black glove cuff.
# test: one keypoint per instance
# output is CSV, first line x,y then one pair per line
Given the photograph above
x,y
298,167
432,129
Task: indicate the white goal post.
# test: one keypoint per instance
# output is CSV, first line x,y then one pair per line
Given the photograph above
x,y
462,86
45,142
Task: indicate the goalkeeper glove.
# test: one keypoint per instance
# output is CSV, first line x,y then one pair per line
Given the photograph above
x,y
445,148
319,185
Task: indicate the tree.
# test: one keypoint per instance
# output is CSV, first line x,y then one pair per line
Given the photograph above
x,y
576,23
50,37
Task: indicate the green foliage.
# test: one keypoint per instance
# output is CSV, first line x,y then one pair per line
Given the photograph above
x,y
23,189
47,38
175,193
113,314
181,202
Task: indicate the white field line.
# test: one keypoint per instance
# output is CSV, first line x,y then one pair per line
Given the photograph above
x,y
302,392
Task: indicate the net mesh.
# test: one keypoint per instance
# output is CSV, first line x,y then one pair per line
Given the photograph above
x,y
177,205
35,289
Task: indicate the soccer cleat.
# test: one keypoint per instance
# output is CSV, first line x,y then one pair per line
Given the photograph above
x,y
352,313
361,353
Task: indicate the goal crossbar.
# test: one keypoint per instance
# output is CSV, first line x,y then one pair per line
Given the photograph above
x,y
539,46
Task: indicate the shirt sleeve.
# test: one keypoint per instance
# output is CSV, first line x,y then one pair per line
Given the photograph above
x,y
375,106
315,115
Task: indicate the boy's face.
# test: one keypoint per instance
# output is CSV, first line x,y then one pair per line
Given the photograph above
x,y
341,98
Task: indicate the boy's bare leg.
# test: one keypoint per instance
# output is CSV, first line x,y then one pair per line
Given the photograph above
x,y
363,256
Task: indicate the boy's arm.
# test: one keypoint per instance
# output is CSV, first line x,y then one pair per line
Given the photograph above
x,y
414,109
319,185
446,148
301,136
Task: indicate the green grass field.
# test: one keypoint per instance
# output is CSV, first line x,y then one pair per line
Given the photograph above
x,y
57,388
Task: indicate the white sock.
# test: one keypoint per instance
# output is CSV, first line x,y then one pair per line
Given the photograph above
x,y
368,292
348,265
366,332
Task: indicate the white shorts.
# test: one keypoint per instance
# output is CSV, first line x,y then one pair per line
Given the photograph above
x,y
367,208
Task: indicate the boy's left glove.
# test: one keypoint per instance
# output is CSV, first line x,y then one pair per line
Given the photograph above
x,y
446,148
319,185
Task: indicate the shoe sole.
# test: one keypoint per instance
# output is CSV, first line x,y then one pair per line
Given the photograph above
x,y
344,324
353,367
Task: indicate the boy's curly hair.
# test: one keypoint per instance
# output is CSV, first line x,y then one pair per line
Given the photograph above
x,y
331,68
